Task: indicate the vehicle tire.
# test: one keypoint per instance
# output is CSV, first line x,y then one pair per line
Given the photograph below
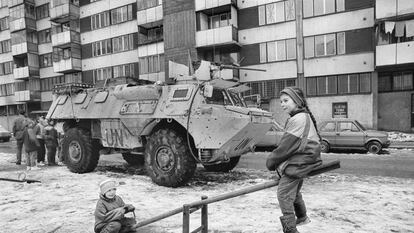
x,y
168,158
134,159
223,167
374,147
325,147
78,153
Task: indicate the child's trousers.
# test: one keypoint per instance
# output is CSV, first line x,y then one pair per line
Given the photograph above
x,y
31,158
123,226
290,198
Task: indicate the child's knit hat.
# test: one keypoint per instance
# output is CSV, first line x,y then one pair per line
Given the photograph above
x,y
106,185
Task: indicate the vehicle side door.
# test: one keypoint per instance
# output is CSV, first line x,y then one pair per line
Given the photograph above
x,y
328,132
349,135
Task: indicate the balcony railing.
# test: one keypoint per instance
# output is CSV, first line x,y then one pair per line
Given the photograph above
x,y
22,23
12,3
67,65
27,96
25,72
22,48
64,12
149,16
201,5
64,38
218,36
388,8
395,54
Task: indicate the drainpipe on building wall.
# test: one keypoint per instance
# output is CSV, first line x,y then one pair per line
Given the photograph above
x,y
299,44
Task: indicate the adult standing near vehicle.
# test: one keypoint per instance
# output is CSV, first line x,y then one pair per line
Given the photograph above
x,y
51,142
39,131
19,126
297,154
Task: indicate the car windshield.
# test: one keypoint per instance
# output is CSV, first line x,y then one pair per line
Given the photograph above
x,y
219,97
360,126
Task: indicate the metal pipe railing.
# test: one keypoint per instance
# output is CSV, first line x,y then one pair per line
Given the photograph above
x,y
187,209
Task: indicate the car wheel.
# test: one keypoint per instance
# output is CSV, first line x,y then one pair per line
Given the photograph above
x,y
324,147
374,147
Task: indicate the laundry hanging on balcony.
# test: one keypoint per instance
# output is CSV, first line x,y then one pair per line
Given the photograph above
x,y
409,28
389,26
399,28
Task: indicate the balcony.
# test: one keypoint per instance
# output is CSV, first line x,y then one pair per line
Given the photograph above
x,y
67,65
12,3
395,54
222,36
65,38
393,8
150,17
27,96
201,5
22,48
64,12
22,23
25,72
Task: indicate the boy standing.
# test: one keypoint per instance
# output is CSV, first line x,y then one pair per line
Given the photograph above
x,y
31,146
51,142
110,211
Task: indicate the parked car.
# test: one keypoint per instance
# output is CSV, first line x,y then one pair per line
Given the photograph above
x,y
348,133
5,135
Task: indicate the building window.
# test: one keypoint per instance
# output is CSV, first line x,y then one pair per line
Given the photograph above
x,y
124,70
220,20
102,74
145,4
341,84
42,11
398,81
6,68
121,14
322,7
324,45
101,47
277,12
151,64
269,88
5,46
278,50
44,36
3,3
4,23
7,89
123,43
45,60
100,20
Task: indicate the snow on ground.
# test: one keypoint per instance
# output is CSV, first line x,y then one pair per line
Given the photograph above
x,y
400,137
65,201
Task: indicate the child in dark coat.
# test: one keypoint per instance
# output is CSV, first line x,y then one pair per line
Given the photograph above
x,y
31,145
110,211
51,142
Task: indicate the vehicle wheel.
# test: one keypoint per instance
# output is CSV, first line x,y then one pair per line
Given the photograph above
x,y
324,147
78,153
374,147
168,158
134,159
223,167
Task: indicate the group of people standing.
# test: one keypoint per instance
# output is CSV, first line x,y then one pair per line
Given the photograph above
x,y
38,139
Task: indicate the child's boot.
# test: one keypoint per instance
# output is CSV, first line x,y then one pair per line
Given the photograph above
x,y
302,221
289,223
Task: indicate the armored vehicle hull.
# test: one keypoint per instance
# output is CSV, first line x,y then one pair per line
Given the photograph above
x,y
170,128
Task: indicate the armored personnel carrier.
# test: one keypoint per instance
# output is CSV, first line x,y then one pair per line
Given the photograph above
x,y
171,128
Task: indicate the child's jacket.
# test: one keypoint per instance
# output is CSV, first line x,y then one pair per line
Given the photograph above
x,y
299,146
51,136
108,210
30,141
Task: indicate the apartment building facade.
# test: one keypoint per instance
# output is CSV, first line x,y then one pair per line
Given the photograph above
x,y
341,52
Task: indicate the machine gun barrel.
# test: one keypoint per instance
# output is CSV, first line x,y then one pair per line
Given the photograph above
x,y
240,68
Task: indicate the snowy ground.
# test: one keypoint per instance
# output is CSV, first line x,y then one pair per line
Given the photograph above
x,y
65,201
400,137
